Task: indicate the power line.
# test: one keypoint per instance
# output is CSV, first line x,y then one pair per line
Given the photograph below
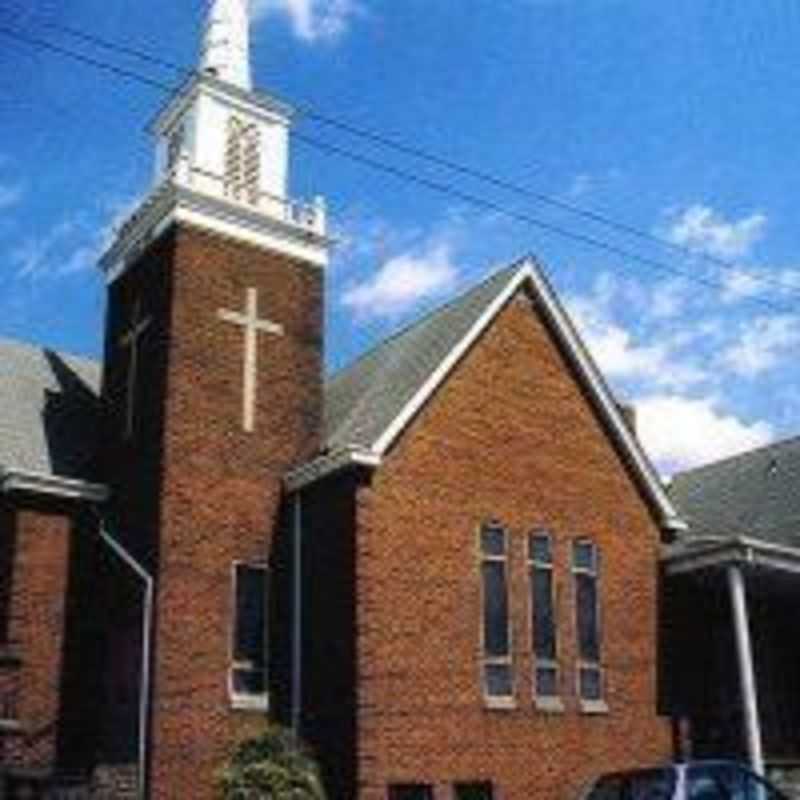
x,y
88,60
442,188
462,169
488,205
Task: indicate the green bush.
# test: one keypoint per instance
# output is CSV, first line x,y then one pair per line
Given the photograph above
x,y
272,766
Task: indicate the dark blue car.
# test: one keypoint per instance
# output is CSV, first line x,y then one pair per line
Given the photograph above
x,y
692,780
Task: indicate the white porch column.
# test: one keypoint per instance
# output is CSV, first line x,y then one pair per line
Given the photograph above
x,y
747,680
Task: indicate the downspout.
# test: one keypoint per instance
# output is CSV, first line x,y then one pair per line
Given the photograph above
x,y
147,634
297,623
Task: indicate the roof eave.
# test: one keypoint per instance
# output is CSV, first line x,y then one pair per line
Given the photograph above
x,y
722,551
15,481
328,464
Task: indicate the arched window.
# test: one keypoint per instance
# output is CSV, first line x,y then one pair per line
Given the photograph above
x,y
242,162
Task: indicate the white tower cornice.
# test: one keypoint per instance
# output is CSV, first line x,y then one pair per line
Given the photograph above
x,y
226,43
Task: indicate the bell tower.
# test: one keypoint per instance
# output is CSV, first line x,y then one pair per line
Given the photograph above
x,y
213,391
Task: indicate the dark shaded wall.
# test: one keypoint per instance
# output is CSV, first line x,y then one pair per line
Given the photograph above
x,y
700,671
329,628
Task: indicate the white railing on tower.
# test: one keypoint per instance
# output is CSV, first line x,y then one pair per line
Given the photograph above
x,y
310,216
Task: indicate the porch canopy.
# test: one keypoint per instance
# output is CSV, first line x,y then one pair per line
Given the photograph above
x,y
735,575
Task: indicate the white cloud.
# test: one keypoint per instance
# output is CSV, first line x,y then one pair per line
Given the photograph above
x,y
70,246
704,230
9,196
404,281
742,285
681,432
762,345
312,20
614,347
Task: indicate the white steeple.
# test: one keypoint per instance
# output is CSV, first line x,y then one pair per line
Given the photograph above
x,y
222,158
226,43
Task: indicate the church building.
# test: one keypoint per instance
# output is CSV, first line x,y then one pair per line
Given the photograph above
x,y
439,566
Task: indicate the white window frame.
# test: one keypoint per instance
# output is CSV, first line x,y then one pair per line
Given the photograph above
x,y
490,700
551,703
244,701
599,705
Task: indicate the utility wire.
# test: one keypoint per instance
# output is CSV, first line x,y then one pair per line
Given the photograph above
x,y
488,205
439,187
462,169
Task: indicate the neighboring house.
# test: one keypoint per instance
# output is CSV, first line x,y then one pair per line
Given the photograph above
x,y
733,673
441,567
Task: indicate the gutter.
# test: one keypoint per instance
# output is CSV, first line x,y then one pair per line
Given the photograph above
x,y
18,480
714,551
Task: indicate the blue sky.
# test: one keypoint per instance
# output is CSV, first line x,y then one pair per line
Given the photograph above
x,y
677,118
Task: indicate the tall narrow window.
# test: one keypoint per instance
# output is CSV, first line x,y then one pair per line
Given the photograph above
x,y
497,676
248,678
585,570
543,617
242,162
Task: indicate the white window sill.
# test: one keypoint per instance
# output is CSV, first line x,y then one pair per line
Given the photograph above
x,y
244,702
500,703
549,705
593,707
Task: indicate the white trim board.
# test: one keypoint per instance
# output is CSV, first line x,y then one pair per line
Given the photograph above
x,y
15,480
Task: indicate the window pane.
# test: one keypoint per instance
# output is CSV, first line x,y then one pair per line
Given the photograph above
x,y
493,541
588,634
474,791
610,787
249,635
495,609
411,791
249,681
652,784
591,683
540,548
583,555
544,626
728,782
547,682
498,680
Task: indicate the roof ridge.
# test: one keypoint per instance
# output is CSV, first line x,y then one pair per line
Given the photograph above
x,y
409,326
738,456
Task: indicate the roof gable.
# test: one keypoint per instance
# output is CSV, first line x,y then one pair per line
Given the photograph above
x,y
370,403
48,411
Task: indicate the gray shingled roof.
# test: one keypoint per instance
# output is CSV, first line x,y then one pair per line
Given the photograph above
x,y
363,399
756,494
48,410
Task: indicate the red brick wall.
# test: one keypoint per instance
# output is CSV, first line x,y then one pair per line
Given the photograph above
x,y
212,493
34,608
510,436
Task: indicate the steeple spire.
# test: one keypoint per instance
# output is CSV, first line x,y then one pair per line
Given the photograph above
x,y
226,42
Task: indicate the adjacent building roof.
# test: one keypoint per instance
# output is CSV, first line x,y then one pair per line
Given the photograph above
x,y
48,411
754,495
